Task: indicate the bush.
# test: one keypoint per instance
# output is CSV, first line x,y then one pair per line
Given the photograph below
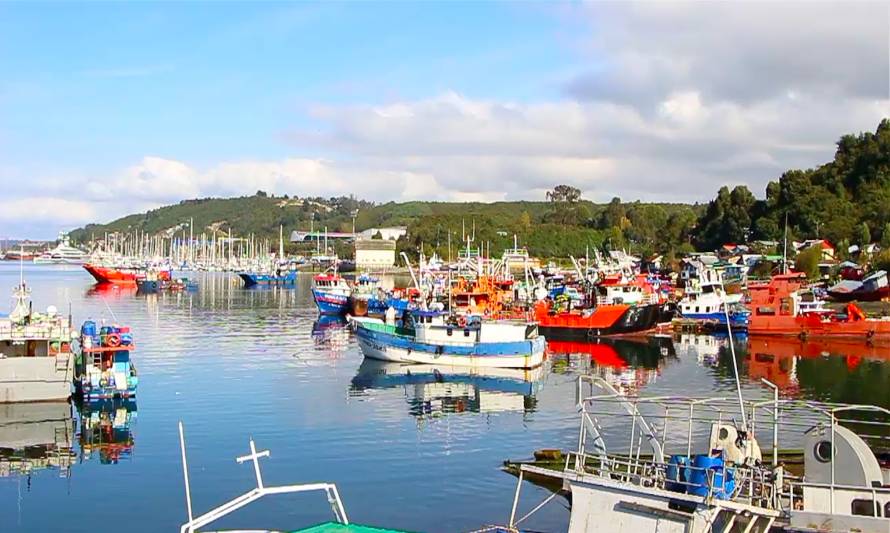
x,y
808,261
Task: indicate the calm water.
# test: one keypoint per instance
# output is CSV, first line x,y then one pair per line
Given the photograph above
x,y
420,451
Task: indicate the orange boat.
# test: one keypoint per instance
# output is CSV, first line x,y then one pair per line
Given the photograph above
x,y
121,276
488,295
777,308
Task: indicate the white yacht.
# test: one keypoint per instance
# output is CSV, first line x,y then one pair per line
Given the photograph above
x,y
62,254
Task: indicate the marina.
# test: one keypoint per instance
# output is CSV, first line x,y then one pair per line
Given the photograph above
x,y
442,426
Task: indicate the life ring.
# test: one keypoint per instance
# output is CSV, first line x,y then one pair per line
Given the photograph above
x,y
462,321
113,340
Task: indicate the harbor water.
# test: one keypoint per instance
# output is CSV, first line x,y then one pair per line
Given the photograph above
x,y
419,450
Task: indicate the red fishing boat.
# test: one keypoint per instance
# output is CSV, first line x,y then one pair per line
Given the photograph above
x,y
121,276
779,308
599,321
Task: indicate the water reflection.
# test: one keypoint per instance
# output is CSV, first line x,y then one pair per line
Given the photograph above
x,y
331,332
110,290
434,390
106,431
836,370
628,364
35,437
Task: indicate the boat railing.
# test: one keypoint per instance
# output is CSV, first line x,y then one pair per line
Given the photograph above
x,y
57,329
196,522
757,486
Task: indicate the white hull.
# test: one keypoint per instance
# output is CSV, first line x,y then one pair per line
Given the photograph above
x,y
36,379
381,352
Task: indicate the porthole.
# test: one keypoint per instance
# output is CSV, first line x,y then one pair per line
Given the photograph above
x,y
724,434
822,451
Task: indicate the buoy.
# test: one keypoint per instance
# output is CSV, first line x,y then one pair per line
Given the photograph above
x,y
113,340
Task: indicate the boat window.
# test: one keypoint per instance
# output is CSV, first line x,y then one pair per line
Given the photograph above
x,y
466,333
863,507
822,451
766,311
696,309
887,510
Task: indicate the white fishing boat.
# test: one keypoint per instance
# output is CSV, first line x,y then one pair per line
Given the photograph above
x,y
36,359
694,464
430,337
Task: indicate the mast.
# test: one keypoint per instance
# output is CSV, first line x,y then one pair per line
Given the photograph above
x,y
785,247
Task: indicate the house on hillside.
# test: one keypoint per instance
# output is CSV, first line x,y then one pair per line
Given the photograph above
x,y
828,251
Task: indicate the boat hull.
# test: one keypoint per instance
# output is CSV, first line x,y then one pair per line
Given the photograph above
x,y
606,320
36,379
251,279
330,303
121,276
399,349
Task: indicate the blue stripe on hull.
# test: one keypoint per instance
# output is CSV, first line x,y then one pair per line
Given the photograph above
x,y
481,349
737,320
267,279
329,303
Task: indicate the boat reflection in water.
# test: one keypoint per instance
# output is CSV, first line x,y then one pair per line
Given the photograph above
x,y
331,332
106,430
626,363
34,437
110,290
433,390
845,371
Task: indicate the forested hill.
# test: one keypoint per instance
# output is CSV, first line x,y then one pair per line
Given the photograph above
x,y
846,200
560,226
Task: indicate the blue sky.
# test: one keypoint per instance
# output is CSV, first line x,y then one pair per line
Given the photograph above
x,y
107,108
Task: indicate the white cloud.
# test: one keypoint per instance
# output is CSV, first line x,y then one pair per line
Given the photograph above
x,y
675,100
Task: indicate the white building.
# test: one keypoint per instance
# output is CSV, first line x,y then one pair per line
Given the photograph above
x,y
375,254
389,234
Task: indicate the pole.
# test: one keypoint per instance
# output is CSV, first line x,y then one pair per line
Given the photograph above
x,y
185,474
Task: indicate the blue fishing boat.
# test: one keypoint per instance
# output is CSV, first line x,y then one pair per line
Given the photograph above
x,y
104,369
432,337
707,304
331,294
253,279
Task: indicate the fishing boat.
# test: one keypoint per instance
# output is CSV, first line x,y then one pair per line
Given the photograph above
x,y
121,275
560,323
367,297
36,357
252,279
779,308
872,288
707,304
432,337
340,524
695,465
104,369
150,284
62,254
331,294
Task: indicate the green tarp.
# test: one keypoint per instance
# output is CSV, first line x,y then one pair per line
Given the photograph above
x,y
334,527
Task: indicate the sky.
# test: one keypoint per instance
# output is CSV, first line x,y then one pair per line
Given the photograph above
x,y
112,108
